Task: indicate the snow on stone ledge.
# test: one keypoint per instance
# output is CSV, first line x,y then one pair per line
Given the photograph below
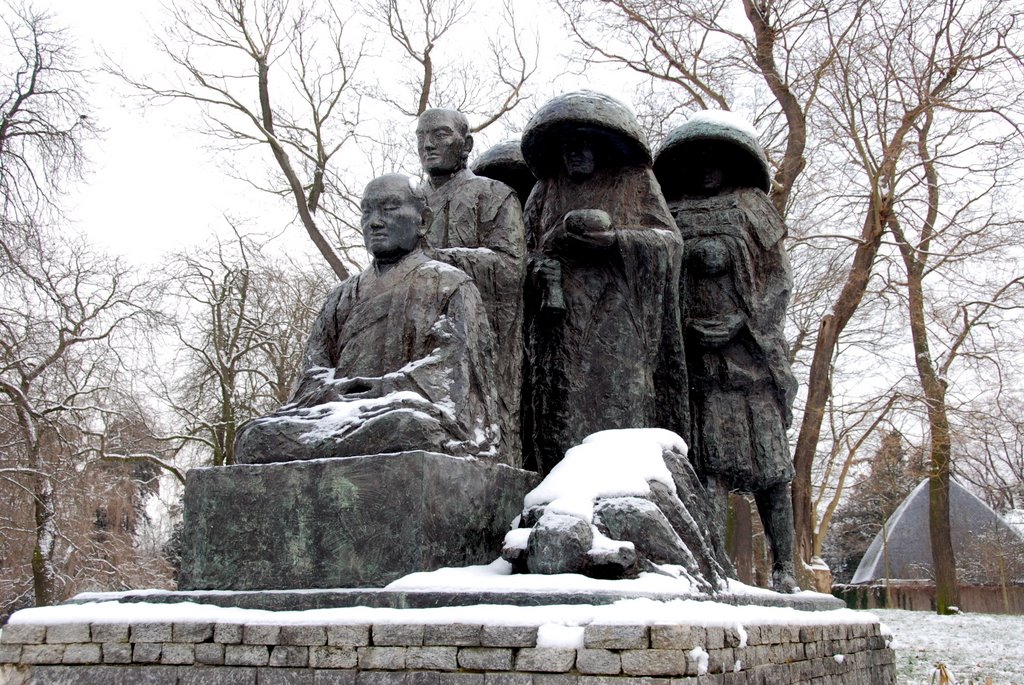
x,y
623,612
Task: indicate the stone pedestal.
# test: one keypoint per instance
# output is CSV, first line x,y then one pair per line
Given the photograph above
x,y
351,522
761,650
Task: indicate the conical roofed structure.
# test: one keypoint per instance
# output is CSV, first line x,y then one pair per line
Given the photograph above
x,y
986,548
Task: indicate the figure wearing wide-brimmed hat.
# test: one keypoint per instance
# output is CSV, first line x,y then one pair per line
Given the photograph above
x,y
733,297
504,162
603,339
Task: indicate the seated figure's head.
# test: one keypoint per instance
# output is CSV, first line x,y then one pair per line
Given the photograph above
x,y
395,217
443,141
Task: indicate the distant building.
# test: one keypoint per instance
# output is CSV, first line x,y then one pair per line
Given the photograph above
x,y
988,550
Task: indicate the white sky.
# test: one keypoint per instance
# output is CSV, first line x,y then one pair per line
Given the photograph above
x,y
150,188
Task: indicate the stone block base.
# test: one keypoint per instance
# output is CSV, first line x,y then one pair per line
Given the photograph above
x,y
352,522
444,654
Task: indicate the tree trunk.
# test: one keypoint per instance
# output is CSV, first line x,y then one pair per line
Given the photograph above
x,y
915,258
939,452
302,203
44,574
796,121
820,376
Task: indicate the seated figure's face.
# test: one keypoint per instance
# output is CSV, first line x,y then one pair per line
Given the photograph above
x,y
391,218
442,147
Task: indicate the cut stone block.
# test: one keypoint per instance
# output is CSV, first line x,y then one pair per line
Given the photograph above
x,y
598,662
600,636
382,658
192,632
246,655
22,634
210,653
290,655
89,653
486,658
332,657
151,632
349,522
457,634
65,633
508,636
545,660
42,654
110,632
178,653
397,635
431,658
348,635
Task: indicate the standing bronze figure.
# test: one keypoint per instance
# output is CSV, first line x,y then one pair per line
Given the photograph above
x,y
478,227
733,297
603,339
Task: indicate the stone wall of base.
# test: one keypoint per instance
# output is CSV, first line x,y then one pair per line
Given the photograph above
x,y
442,654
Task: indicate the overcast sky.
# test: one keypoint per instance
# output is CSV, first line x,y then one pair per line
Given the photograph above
x,y
150,187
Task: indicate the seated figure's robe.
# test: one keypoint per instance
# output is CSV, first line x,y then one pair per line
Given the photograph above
x,y
478,227
419,337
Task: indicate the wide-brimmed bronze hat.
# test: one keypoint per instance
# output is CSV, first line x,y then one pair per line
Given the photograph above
x,y
583,112
504,162
733,140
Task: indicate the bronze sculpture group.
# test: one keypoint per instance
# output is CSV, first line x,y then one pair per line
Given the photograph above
x,y
628,290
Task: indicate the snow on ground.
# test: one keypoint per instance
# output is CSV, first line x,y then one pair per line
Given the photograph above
x,y
972,646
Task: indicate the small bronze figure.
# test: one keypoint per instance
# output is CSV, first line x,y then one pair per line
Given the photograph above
x,y
734,292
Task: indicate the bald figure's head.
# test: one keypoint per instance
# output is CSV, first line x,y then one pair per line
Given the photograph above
x,y
443,141
394,217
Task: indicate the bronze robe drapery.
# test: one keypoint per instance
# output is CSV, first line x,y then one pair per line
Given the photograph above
x,y
734,293
612,357
478,227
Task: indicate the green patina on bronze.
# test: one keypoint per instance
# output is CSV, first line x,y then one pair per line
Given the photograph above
x,y
355,522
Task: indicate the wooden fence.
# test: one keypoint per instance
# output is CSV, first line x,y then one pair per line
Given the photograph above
x,y
920,596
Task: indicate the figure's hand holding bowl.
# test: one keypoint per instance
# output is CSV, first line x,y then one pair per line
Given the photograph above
x,y
717,332
592,227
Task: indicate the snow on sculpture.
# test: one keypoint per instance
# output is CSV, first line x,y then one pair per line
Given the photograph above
x,y
620,503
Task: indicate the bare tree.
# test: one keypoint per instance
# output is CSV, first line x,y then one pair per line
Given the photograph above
x,y
484,87
43,116
710,60
241,321
273,75
61,307
920,95
992,453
